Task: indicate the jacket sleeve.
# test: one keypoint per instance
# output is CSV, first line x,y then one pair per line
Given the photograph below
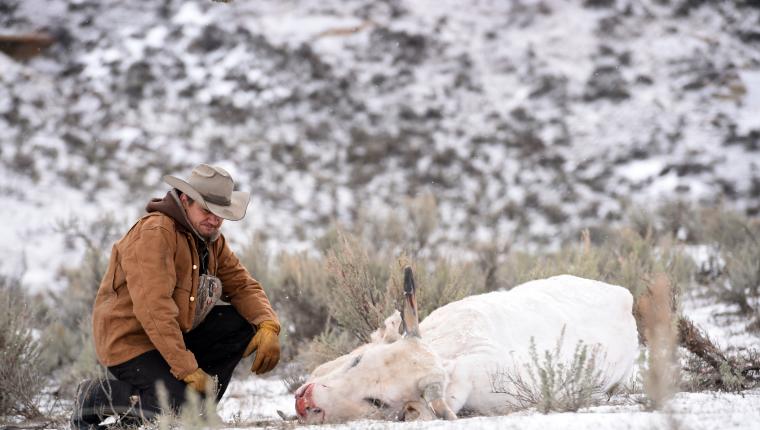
x,y
246,293
148,263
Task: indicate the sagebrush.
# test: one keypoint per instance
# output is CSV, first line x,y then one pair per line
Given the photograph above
x,y
550,382
22,376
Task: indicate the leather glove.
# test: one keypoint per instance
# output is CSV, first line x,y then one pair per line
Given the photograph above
x,y
266,343
198,380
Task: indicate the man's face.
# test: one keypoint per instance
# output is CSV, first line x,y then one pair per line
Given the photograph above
x,y
202,220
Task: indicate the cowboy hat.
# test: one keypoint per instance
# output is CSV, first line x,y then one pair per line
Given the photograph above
x,y
212,187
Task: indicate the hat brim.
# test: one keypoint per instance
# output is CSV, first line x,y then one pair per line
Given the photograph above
x,y
234,212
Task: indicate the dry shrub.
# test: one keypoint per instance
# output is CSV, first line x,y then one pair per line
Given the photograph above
x,y
743,272
678,219
366,285
196,413
387,232
69,335
734,276
624,258
723,228
410,229
327,346
21,371
491,258
583,259
255,257
635,260
423,214
293,375
363,268
549,382
700,375
656,317
85,364
296,285
346,288
300,297
358,299
367,289
518,267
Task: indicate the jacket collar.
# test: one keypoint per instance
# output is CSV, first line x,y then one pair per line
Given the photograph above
x,y
171,206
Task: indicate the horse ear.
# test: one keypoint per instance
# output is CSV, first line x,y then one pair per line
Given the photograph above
x,y
389,332
409,315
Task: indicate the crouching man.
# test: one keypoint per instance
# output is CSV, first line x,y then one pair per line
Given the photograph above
x,y
161,314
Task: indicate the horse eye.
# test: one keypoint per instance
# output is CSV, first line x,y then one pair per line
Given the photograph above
x,y
376,402
355,362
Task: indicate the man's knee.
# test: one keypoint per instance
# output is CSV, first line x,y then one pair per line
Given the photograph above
x,y
222,325
230,319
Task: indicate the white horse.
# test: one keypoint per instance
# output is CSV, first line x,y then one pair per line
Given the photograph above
x,y
446,363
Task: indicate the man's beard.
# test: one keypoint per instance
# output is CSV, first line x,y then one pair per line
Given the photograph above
x,y
212,233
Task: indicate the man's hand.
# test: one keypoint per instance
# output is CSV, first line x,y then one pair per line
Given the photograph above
x,y
198,380
267,346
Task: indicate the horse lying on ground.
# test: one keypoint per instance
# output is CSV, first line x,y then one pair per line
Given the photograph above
x,y
446,363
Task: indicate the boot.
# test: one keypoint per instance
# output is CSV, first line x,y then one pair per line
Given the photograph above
x,y
97,399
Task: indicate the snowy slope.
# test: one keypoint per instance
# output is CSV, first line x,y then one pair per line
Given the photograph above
x,y
528,119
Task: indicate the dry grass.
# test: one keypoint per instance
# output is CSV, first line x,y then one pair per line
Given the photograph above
x,y
196,413
357,299
424,220
734,275
661,370
20,354
300,298
326,346
624,258
68,334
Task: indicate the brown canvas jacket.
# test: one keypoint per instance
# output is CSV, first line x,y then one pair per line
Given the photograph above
x,y
147,297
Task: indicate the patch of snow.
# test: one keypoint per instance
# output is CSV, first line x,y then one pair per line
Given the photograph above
x,y
749,115
640,170
191,13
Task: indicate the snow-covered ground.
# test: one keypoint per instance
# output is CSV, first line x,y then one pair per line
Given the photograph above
x,y
257,401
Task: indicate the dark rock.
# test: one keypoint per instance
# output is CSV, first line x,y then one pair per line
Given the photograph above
x,y
138,75
686,168
223,111
750,36
549,85
211,39
7,8
599,3
606,82
684,7
644,80
402,46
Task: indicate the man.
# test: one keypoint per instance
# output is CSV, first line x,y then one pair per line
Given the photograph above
x,y
158,317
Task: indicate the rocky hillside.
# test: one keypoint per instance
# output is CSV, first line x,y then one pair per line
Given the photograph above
x,y
527,119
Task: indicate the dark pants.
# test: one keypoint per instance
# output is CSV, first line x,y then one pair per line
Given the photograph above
x,y
217,343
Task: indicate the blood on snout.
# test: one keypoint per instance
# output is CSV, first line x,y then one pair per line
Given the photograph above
x,y
303,399
305,403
